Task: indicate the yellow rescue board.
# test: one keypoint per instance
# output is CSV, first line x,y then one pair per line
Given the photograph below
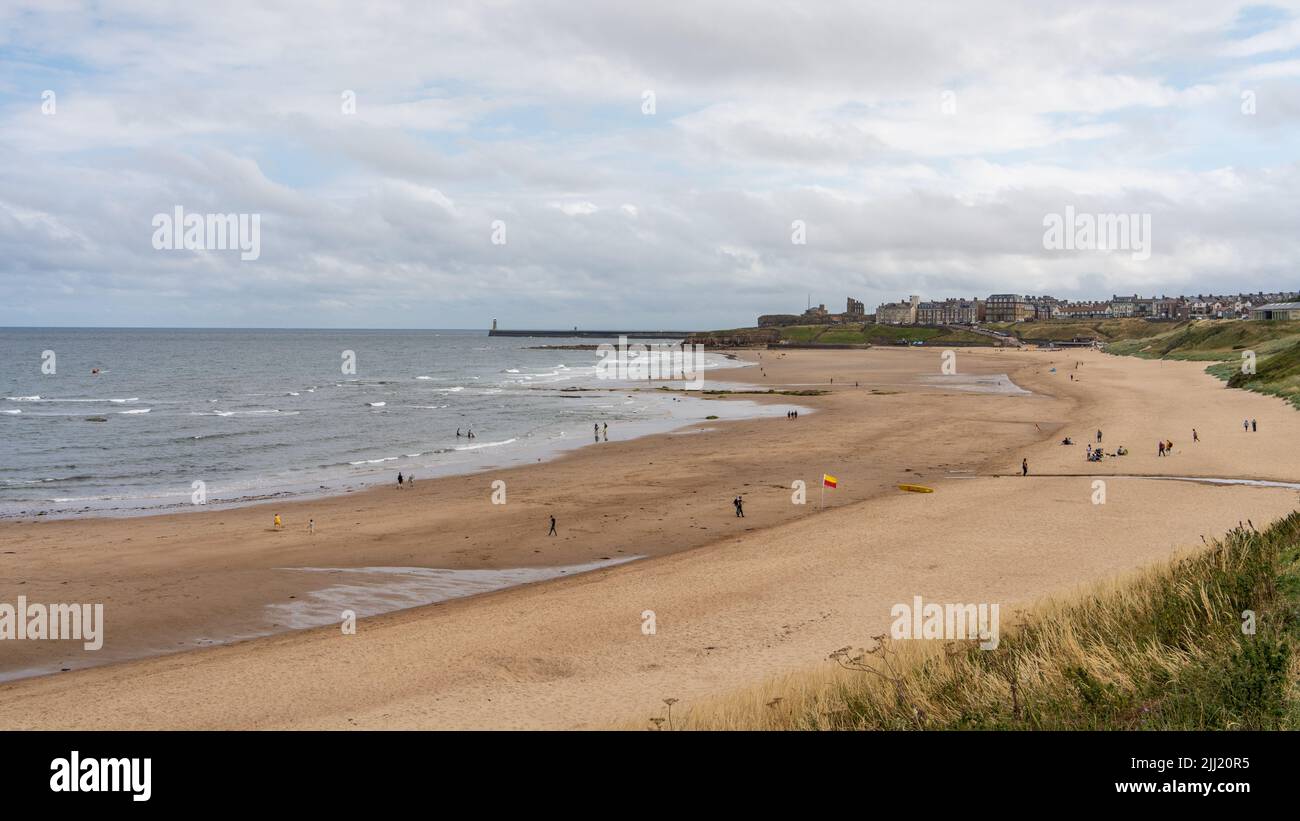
x,y
916,488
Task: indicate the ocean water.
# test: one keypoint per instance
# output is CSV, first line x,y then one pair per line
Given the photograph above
x,y
256,414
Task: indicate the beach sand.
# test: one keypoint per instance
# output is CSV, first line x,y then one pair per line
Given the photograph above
x,y
734,600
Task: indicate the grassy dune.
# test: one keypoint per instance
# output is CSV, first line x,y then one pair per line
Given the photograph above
x,y
1212,340
1163,648
1064,330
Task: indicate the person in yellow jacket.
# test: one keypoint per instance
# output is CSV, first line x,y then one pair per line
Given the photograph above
x,y
278,523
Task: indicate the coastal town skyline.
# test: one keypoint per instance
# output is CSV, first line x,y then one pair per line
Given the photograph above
x,y
1014,307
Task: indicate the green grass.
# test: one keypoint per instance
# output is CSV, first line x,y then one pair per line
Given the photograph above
x,y
802,333
850,334
1064,330
873,334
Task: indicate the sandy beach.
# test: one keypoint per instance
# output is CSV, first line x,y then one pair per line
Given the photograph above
x,y
734,600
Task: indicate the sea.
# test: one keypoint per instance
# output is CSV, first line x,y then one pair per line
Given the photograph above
x,y
130,421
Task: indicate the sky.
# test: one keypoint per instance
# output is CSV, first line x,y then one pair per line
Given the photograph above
x,y
616,165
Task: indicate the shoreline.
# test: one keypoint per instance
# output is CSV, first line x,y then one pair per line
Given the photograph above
x,y
196,555
526,455
311,480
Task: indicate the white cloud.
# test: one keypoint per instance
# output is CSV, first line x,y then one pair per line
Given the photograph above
x,y
527,113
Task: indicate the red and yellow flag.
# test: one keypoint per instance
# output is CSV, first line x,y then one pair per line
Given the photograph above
x,y
829,480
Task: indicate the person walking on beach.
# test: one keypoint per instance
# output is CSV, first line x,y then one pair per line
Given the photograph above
x,y
1099,436
278,523
1245,425
1169,447
1196,437
552,532
1160,448
1254,426
469,434
410,481
311,527
605,430
1024,467
740,507
399,480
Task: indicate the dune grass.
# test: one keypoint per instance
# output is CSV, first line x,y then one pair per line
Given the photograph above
x,y
1167,647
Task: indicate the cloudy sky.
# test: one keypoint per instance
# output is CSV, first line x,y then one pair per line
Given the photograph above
x,y
650,162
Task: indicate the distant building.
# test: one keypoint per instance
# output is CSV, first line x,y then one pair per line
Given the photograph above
x,y
1043,307
1123,307
1277,310
898,313
855,311
1008,308
950,312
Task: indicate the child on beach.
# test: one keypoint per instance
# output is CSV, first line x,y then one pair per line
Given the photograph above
x,y
278,523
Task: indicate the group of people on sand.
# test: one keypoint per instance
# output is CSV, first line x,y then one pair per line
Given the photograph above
x,y
1164,447
794,414
1096,454
409,480
469,435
